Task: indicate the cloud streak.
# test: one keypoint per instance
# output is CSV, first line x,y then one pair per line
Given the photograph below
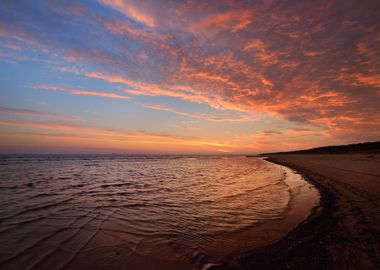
x,y
104,134
130,10
79,92
35,113
207,117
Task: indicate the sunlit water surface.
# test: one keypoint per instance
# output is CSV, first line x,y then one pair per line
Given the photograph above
x,y
135,212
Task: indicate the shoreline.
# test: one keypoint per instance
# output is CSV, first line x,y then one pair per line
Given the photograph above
x,y
338,235
276,254
304,200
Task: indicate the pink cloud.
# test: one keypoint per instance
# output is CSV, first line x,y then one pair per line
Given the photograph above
x,y
207,117
311,53
79,92
233,21
131,10
296,60
81,131
38,113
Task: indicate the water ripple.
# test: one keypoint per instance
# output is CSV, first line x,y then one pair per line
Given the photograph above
x,y
166,207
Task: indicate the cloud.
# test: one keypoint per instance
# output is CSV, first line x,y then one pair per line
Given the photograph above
x,y
151,89
130,10
19,111
310,63
45,125
368,79
260,51
10,45
271,132
104,134
79,92
207,117
311,53
233,21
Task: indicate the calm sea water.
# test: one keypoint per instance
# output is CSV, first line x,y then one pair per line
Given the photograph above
x,y
135,212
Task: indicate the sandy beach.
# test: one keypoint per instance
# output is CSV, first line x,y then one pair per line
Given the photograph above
x,y
344,233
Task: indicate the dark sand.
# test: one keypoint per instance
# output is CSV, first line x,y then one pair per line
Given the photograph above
x,y
344,233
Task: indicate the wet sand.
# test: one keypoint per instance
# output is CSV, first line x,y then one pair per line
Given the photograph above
x,y
344,233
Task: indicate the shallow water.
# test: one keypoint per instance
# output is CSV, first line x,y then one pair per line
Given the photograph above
x,y
138,212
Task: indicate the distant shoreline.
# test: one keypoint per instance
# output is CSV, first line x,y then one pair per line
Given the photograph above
x,y
343,233
360,148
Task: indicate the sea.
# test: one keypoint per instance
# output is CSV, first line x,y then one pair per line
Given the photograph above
x,y
143,211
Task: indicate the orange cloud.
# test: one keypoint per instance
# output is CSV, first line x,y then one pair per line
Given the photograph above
x,y
108,135
261,52
79,92
149,89
215,78
311,53
131,10
352,78
230,20
98,94
371,80
208,117
251,58
45,125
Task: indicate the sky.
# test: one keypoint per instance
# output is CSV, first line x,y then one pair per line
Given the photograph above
x,y
153,76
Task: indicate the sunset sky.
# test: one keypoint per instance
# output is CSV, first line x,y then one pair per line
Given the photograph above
x,y
153,76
